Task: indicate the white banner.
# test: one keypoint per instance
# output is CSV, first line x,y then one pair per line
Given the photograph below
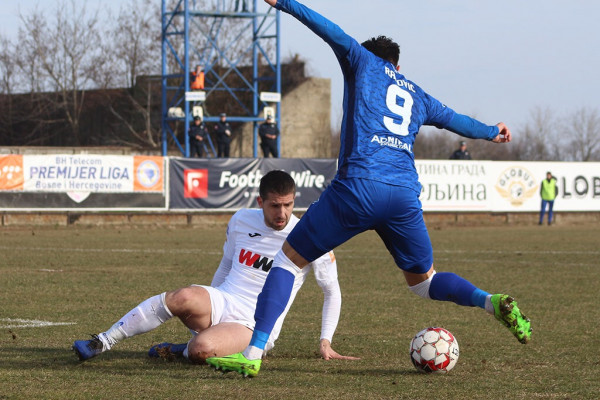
x,y
506,186
85,173
78,173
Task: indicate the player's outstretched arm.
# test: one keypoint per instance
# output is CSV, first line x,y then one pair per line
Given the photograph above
x,y
328,353
332,34
504,135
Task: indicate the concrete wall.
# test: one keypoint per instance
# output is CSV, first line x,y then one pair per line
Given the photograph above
x,y
305,134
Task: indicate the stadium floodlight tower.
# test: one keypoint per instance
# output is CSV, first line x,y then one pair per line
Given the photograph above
x,y
237,46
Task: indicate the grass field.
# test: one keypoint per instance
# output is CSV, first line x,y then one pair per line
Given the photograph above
x,y
89,277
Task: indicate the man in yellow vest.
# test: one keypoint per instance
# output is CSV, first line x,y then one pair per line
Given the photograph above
x,y
548,192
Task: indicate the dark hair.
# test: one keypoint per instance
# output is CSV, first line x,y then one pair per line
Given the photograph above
x,y
383,47
278,182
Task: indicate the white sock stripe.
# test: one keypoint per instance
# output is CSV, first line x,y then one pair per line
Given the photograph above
x,y
422,289
163,301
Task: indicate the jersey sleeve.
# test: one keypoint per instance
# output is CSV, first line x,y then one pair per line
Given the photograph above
x,y
466,126
332,34
325,270
438,114
228,251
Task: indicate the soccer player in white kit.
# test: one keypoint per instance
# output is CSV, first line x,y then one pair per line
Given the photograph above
x,y
221,315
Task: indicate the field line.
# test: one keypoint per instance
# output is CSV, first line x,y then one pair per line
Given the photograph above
x,y
29,323
89,250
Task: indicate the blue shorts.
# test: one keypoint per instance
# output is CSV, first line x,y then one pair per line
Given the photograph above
x,y
351,206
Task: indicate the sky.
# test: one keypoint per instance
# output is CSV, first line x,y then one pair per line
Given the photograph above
x,y
496,61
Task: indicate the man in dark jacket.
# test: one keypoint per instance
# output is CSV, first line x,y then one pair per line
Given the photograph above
x,y
461,153
268,133
223,131
198,133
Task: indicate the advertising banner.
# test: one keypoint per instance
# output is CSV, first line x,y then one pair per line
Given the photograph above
x,y
506,186
81,181
233,183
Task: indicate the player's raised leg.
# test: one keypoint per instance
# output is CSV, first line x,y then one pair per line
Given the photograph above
x,y
447,286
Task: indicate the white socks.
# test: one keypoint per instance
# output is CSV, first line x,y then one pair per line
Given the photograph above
x,y
253,353
489,307
422,289
148,315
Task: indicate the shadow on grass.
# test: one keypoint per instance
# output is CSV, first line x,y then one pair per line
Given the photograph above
x,y
131,363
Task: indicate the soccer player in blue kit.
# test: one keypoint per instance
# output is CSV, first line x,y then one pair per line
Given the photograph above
x,y
376,187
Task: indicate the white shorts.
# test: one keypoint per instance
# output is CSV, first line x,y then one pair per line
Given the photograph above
x,y
229,308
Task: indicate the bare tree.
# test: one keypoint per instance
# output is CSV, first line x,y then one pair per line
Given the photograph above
x,y
60,57
7,81
538,140
133,49
584,135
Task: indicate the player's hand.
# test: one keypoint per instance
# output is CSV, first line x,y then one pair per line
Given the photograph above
x,y
504,136
329,354
271,2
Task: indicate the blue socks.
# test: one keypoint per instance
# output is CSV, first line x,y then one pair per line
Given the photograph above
x,y
271,303
447,286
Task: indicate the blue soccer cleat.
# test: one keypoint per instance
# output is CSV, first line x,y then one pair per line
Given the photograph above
x,y
167,350
86,349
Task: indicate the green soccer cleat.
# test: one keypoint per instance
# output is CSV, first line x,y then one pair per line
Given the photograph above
x,y
237,363
507,312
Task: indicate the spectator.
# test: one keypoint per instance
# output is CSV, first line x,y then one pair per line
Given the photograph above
x,y
548,192
198,133
461,153
268,133
223,131
197,79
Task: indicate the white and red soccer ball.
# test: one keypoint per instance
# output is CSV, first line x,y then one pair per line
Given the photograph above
x,y
434,350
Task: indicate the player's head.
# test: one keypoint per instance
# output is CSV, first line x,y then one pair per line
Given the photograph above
x,y
383,47
277,191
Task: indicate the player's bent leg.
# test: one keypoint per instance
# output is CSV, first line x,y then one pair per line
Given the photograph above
x,y
508,313
147,316
192,305
219,340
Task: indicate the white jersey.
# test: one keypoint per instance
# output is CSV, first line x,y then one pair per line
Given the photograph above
x,y
248,255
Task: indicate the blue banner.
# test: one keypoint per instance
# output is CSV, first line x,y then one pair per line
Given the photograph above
x,y
232,183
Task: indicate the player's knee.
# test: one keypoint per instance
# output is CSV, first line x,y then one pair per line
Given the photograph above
x,y
181,300
422,289
199,349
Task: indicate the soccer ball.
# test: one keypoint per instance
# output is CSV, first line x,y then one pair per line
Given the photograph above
x,y
434,350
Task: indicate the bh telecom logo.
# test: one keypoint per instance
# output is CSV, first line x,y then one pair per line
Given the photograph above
x,y
516,184
195,183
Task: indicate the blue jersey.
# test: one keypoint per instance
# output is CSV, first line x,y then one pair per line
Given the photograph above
x,y
383,110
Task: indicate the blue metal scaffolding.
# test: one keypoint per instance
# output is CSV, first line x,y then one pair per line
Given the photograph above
x,y
226,38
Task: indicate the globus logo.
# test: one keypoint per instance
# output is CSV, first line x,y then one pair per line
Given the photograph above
x,y
516,184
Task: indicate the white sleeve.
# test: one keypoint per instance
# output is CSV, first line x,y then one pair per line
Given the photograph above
x,y
325,269
227,260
